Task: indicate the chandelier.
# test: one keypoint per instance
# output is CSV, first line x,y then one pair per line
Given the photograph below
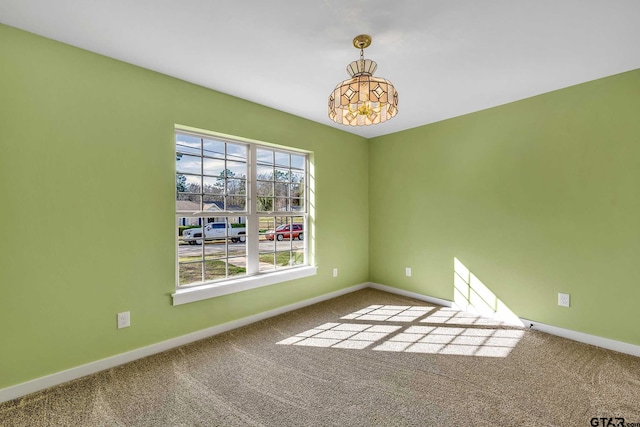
x,y
363,100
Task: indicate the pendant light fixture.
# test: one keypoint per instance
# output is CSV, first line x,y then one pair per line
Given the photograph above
x,y
363,100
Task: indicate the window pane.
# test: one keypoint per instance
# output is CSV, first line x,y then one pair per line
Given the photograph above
x,y
297,204
236,151
236,169
190,273
216,230
214,248
283,259
187,148
188,164
268,244
238,222
189,250
297,161
266,223
278,229
184,138
282,175
237,249
265,188
265,204
188,143
297,177
298,242
298,232
237,267
188,183
213,167
296,190
185,238
213,148
267,227
281,205
213,203
236,186
264,156
298,257
282,159
236,203
188,203
237,236
215,269
267,262
213,185
265,172
282,189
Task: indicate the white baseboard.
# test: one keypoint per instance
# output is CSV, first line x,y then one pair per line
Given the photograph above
x,y
426,298
61,377
607,343
597,341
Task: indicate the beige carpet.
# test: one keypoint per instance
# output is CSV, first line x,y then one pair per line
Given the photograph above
x,y
367,358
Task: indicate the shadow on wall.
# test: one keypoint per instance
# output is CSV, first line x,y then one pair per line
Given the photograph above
x,y
473,296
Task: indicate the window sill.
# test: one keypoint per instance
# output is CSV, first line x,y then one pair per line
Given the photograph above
x,y
198,293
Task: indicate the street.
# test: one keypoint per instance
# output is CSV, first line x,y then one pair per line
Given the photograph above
x,y
214,248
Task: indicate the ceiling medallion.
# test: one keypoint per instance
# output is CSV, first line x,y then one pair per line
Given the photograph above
x,y
363,100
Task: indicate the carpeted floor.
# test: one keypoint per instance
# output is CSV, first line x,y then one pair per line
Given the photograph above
x,y
367,358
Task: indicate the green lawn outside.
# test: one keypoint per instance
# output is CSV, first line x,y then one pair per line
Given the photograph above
x,y
214,269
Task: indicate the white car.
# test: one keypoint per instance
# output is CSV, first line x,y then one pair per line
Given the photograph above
x,y
214,231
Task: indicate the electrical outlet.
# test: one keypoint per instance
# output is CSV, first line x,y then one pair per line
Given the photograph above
x,y
335,272
124,319
564,300
407,271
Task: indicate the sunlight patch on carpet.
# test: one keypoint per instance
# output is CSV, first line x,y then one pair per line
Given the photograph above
x,y
341,335
391,313
456,317
431,331
457,341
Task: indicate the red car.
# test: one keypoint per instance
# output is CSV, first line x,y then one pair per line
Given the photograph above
x,y
284,232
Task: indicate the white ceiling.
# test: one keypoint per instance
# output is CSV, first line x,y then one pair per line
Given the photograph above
x,y
445,57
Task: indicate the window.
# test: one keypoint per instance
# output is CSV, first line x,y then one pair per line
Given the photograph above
x,y
241,211
280,178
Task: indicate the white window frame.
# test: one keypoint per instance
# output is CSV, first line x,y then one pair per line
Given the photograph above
x,y
253,278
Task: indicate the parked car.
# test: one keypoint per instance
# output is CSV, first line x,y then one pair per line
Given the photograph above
x,y
285,232
214,231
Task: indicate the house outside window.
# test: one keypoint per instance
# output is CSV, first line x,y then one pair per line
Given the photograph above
x,y
241,211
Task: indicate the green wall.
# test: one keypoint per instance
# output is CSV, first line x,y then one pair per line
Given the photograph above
x,y
535,197
87,180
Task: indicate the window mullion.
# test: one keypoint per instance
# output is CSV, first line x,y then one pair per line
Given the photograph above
x,y
253,243
202,220
307,190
